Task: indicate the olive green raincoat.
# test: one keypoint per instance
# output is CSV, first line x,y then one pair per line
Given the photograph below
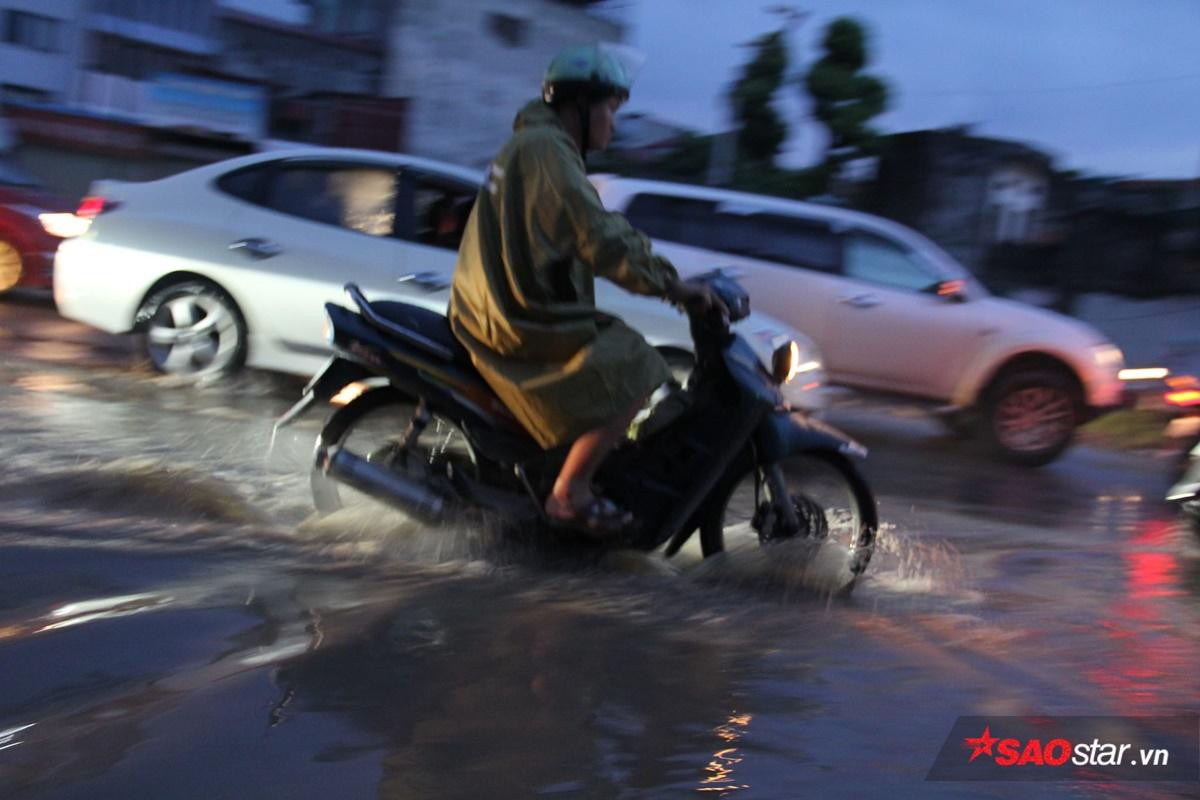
x,y
523,301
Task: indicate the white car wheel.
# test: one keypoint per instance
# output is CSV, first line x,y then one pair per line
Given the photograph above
x,y
193,329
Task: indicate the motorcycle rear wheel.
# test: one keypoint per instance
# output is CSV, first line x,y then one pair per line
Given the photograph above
x,y
831,499
372,426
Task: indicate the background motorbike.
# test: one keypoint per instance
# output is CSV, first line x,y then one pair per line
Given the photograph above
x,y
723,457
1186,490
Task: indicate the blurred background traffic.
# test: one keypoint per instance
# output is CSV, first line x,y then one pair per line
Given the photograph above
x,y
1058,167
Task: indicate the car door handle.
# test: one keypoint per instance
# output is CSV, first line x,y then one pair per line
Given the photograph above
x,y
256,247
859,300
429,281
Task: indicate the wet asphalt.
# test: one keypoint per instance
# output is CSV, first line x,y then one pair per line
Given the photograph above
x,y
175,623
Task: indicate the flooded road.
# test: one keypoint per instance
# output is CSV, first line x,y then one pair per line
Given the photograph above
x,y
174,624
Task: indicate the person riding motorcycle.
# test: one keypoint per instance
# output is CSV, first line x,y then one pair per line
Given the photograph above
x,y
522,301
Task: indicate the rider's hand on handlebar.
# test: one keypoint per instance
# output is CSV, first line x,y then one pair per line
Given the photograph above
x,y
690,294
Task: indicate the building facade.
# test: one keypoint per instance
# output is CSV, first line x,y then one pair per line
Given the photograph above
x,y
119,89
40,42
1001,209
967,193
467,66
137,88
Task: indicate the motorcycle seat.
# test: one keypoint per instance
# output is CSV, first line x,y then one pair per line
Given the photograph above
x,y
434,339
429,324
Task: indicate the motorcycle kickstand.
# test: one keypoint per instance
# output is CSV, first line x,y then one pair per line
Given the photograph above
x,y
519,470
416,425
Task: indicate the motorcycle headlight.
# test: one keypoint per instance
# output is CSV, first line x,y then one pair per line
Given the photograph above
x,y
786,363
327,329
784,360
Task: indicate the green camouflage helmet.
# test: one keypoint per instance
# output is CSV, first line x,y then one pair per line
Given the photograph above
x,y
595,71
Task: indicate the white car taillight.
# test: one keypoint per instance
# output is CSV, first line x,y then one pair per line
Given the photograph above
x,y
67,226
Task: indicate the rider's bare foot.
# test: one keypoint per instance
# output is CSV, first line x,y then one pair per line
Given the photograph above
x,y
594,514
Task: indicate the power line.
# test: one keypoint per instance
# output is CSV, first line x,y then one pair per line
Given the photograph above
x,y
1051,89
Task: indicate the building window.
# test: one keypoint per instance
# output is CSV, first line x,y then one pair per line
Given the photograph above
x,y
31,30
137,60
179,15
10,91
512,31
1018,199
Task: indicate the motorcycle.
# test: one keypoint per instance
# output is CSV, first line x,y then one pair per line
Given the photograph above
x,y
1186,491
723,457
1183,399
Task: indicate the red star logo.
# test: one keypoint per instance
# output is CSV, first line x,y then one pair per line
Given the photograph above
x,y
982,744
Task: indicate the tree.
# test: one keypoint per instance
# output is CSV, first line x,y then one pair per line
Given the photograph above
x,y
761,130
843,98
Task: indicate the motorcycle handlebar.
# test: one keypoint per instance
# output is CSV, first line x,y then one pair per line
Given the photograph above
x,y
727,290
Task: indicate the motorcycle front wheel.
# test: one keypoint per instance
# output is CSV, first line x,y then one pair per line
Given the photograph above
x,y
373,426
831,500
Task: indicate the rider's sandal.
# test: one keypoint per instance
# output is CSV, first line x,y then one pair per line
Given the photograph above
x,y
600,517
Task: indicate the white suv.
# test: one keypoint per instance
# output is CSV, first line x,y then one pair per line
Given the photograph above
x,y
232,263
890,310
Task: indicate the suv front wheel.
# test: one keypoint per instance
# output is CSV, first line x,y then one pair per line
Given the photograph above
x,y
1030,415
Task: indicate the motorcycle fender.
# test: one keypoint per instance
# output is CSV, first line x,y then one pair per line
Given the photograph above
x,y
782,434
743,364
333,377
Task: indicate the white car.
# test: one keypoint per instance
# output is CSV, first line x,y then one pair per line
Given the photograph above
x,y
232,263
890,310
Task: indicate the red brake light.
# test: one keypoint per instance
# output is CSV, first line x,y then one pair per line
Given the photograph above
x,y
1184,391
91,207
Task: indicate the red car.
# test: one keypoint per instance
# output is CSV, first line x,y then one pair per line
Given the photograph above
x,y
26,249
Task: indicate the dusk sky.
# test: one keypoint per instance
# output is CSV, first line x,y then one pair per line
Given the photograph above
x,y
1105,86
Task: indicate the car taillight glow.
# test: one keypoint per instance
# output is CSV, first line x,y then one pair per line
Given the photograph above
x,y
1184,398
67,226
64,226
1183,391
92,206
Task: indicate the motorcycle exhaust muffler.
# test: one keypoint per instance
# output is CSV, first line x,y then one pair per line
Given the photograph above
x,y
397,490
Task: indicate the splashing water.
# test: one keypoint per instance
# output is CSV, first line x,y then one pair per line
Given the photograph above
x,y
905,563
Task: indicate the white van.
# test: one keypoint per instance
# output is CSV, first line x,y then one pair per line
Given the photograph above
x,y
889,310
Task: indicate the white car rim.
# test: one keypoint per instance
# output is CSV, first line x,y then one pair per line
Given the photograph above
x,y
10,266
193,334
1034,418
